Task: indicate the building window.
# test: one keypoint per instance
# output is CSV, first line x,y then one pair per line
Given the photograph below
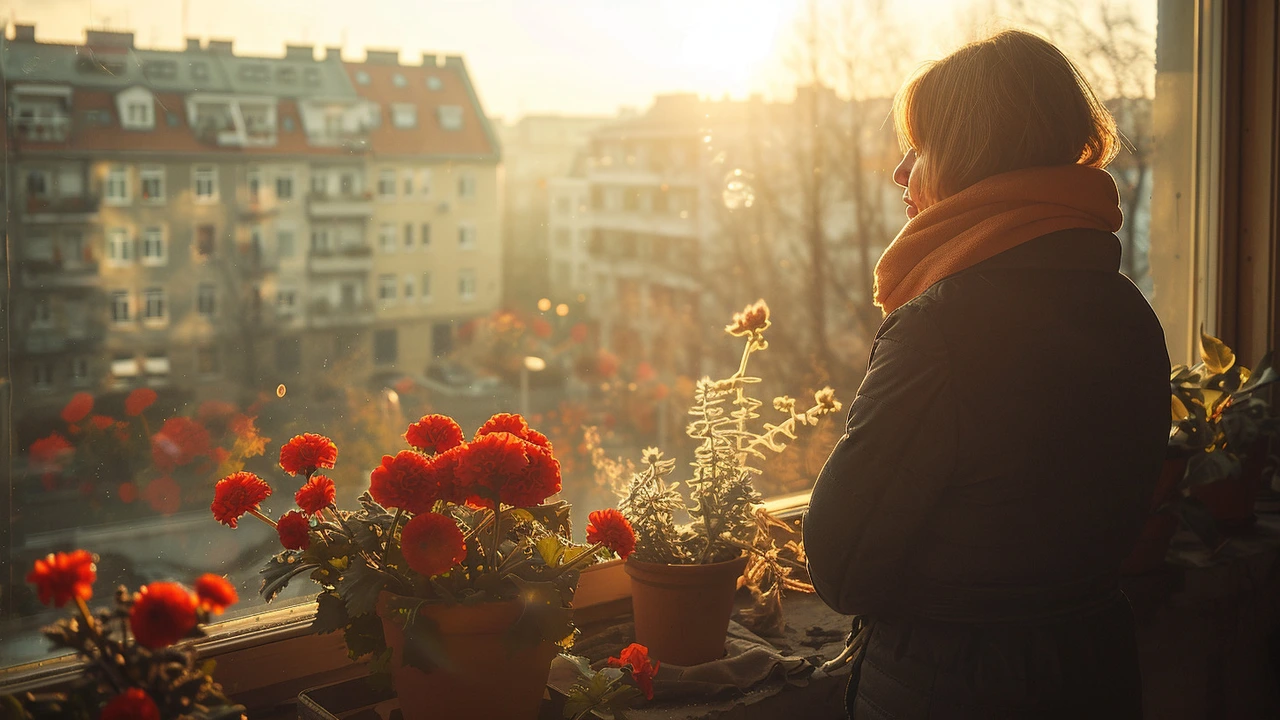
x,y
80,371
285,247
124,366
362,77
425,238
153,185
140,115
70,181
208,362
42,376
320,184
156,365
384,346
450,117
206,299
205,241
42,314
119,247
424,182
116,191
206,184
409,283
253,183
153,247
398,80
404,116
320,241
387,288
466,236
153,309
434,83
408,236
387,184
38,184
284,185
466,186
349,184
120,310
286,301
466,285
426,286
74,251
387,238
563,239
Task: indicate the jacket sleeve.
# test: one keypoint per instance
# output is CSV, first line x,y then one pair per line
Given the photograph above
x,y
885,476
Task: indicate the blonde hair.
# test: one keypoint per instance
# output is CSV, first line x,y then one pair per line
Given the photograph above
x,y
1009,102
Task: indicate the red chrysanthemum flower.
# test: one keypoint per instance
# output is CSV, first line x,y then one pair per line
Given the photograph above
x,y
316,495
306,453
637,656
434,434
432,543
294,530
164,495
407,481
133,704
180,441
514,424
162,614
609,528
489,463
48,454
215,593
102,422
138,401
77,408
237,494
539,481
61,577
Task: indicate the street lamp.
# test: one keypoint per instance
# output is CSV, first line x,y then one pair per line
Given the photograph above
x,y
531,364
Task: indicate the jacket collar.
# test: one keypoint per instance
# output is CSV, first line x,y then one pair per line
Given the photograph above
x,y
1076,249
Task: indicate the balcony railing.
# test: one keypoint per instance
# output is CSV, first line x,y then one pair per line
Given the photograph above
x,y
340,206
324,314
83,209
46,341
352,258
57,273
47,129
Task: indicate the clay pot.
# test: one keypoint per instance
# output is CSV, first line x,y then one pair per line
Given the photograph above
x,y
1230,500
682,611
1148,553
487,680
602,583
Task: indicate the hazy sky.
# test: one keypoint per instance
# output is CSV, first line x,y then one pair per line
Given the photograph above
x,y
526,56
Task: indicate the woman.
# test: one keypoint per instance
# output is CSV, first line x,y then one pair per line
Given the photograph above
x,y
1002,451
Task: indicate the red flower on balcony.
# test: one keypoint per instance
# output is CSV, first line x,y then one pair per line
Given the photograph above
x,y
164,495
637,656
514,424
294,530
609,528
489,463
434,434
77,408
316,495
539,481
236,495
409,481
132,704
432,544
138,401
306,453
62,577
215,593
48,454
163,614
180,441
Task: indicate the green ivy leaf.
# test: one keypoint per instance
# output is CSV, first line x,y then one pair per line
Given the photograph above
x,y
359,588
331,614
549,549
279,570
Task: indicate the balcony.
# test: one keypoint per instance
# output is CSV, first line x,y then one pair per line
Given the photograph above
x,y
48,341
41,275
82,209
350,259
324,314
340,206
42,129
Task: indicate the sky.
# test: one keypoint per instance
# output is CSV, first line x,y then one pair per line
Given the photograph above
x,y
583,57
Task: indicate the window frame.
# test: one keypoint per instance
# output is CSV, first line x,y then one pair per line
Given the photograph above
x,y
162,258
117,175
211,171
152,173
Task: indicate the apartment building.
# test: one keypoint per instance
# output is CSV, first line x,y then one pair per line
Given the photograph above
x,y
186,219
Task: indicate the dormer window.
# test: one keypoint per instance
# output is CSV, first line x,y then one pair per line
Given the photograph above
x,y
137,109
404,116
450,117
398,80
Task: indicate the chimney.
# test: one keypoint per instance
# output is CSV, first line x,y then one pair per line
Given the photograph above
x,y
333,52
382,57
193,44
108,39
24,33
454,61
431,60
220,47
300,52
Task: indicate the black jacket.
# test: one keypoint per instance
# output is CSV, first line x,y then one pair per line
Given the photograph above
x,y
997,468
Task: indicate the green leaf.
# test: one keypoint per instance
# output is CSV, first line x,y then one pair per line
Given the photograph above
x,y
1217,357
423,644
549,549
359,588
545,616
553,516
364,636
331,614
279,570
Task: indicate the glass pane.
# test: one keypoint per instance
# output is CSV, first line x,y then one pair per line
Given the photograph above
x,y
207,257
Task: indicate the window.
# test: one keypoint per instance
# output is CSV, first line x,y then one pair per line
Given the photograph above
x,y
206,184
467,285
71,181
42,376
466,186
387,288
153,247
408,236
206,300
384,346
387,238
362,77
208,363
116,189
152,185
206,241
80,371
139,115
284,185
120,307
124,367
349,184
286,301
285,246
404,116
398,80
450,117
40,249
75,253
320,241
253,185
387,184
119,247
466,236
156,365
407,177
42,313
425,236
153,309
38,185
425,294
434,83
319,183
424,183
409,284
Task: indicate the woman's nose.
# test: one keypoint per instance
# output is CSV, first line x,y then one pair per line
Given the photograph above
x,y
902,173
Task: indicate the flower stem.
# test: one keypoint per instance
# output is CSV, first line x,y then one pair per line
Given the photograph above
x,y
258,514
391,533
497,534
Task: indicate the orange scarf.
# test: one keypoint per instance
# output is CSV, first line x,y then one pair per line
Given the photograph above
x,y
989,217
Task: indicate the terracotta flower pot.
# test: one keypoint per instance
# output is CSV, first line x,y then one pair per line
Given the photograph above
x,y
682,611
486,680
602,583
1230,500
1148,554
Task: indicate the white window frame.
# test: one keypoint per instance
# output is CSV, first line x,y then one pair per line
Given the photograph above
x,y
154,232
408,236
424,293
74,172
466,186
450,117
410,286
152,173
148,295
424,235
117,180
42,314
120,250
291,176
125,367
406,183
468,236
388,238
404,116
208,173
116,296
468,285
212,294
386,179
80,379
424,182
388,288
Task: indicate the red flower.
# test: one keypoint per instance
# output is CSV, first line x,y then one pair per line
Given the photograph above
x,y
637,656
578,333
127,492
215,411
138,401
163,614
306,453
180,441
609,528
133,704
434,434
294,530
49,453
539,481
77,408
61,577
409,481
215,593
489,463
164,495
316,495
514,424
432,543
102,422
542,328
754,318
237,494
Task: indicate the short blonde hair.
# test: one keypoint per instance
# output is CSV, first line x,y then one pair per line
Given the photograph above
x,y
1009,102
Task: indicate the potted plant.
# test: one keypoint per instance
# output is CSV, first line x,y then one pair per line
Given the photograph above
x,y
683,577
134,664
453,577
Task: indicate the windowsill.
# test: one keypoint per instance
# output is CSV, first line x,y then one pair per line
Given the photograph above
x,y
155,263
